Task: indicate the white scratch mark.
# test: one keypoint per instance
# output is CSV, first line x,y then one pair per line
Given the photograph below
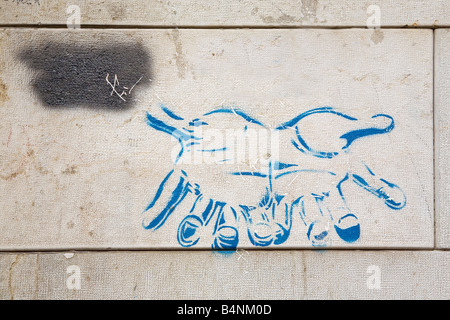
x,y
293,180
158,97
113,86
129,92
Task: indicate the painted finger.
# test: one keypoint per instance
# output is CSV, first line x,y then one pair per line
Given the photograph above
x,y
282,219
258,227
392,195
268,222
226,235
340,129
194,226
259,221
316,221
171,192
345,222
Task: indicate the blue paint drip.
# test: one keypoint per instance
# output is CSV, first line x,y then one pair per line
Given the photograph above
x,y
214,150
350,234
304,170
356,134
308,150
218,207
277,165
278,198
208,213
225,253
283,231
159,191
199,197
270,175
170,113
339,187
299,202
368,169
179,154
178,195
294,121
192,143
249,173
266,200
236,111
197,123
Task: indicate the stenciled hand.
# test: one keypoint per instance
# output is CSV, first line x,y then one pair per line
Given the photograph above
x,y
226,171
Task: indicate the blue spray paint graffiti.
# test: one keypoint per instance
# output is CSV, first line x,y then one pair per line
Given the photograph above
x,y
269,220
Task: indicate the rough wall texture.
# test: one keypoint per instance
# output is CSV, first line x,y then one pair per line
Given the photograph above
x,y
161,125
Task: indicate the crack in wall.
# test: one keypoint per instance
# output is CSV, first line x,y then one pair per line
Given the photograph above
x,y
10,273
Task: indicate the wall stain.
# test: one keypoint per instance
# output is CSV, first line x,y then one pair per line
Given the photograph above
x,y
377,36
36,276
3,91
90,74
12,175
28,2
284,18
70,170
10,272
117,10
179,55
309,10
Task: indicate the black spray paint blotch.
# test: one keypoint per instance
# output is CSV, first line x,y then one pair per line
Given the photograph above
x,y
90,75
